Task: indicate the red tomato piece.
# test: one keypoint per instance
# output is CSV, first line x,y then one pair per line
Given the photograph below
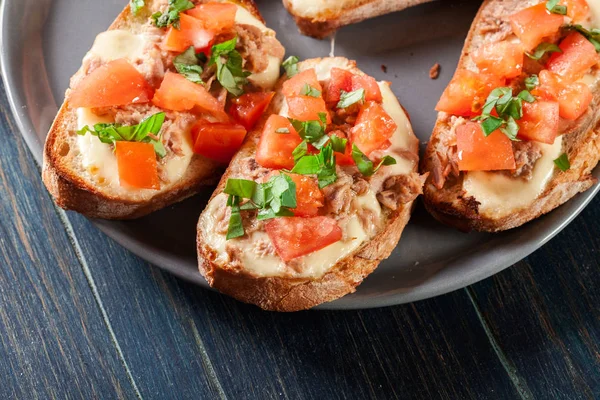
x,y
137,165
215,17
309,197
533,24
178,94
373,129
502,59
476,152
467,92
540,121
577,10
249,107
307,108
296,237
295,85
218,141
372,91
573,99
275,149
344,158
578,56
116,83
341,79
191,32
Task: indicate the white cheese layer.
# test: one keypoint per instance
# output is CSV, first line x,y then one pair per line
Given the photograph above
x,y
311,8
245,17
268,78
595,12
501,195
114,44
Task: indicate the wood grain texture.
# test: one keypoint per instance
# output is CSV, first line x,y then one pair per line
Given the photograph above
x,y
53,340
545,313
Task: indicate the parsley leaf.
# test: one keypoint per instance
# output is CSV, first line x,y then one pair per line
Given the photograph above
x,y
531,82
229,66
322,165
542,49
308,90
562,162
592,35
310,131
136,5
147,131
555,8
291,66
365,165
187,64
349,98
171,17
509,109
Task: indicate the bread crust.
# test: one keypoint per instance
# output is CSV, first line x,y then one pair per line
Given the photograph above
x,y
294,294
582,147
327,22
72,192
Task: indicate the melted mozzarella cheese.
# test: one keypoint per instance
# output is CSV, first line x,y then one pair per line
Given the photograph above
x,y
501,195
309,8
245,17
268,78
595,11
115,44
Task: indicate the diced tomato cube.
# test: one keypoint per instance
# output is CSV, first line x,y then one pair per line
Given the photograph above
x,y
341,79
218,141
372,91
374,128
116,83
215,17
248,108
467,92
179,94
344,158
295,85
502,59
540,121
476,152
137,165
191,32
578,56
296,237
275,148
573,99
577,10
533,24
307,108
309,198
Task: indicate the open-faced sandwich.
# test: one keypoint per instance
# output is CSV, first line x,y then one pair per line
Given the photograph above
x,y
317,196
322,18
160,105
517,131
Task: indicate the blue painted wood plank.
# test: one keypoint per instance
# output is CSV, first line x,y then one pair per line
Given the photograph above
x,y
53,340
545,313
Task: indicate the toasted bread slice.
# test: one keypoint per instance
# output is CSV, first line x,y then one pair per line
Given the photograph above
x,y
497,201
249,269
322,18
81,172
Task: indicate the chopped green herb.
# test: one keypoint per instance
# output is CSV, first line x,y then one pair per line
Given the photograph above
x,y
187,64
229,66
300,151
349,98
531,82
308,90
592,35
171,16
509,109
562,162
291,66
322,165
365,165
311,131
136,5
338,144
147,131
555,8
542,49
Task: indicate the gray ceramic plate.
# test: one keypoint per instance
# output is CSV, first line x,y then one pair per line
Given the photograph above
x,y
43,42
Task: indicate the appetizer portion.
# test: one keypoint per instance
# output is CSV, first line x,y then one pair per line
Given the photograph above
x,y
162,102
320,19
517,129
319,193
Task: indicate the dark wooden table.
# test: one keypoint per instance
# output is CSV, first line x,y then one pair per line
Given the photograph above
x,y
82,318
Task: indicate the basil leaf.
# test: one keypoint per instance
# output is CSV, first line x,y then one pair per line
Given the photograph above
x,y
526,96
171,16
509,109
327,175
323,118
228,60
311,131
338,144
562,162
553,7
291,66
236,225
349,98
136,5
308,90
593,36
511,129
531,82
187,64
300,151
240,187
318,144
491,124
542,49
365,165
307,165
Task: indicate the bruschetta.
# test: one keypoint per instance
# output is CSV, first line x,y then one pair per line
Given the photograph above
x,y
317,196
161,103
320,19
517,130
